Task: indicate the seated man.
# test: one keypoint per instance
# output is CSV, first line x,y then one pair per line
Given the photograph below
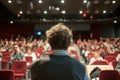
x,y
59,65
16,55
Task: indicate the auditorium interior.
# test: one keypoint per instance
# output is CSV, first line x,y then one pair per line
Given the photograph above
x,y
95,25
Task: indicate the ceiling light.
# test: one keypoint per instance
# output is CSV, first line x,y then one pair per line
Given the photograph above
x,y
40,1
18,15
38,33
91,17
62,1
115,21
80,12
104,11
45,12
63,12
44,19
21,12
11,22
50,7
84,14
57,8
85,1
113,1
9,1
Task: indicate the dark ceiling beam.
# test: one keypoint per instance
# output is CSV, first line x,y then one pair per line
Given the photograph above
x,y
108,20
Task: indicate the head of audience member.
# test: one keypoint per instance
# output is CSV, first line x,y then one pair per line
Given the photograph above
x,y
16,48
59,36
29,51
96,54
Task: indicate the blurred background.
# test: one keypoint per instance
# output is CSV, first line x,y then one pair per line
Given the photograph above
x,y
87,18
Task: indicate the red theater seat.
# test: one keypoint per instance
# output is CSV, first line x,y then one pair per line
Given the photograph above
x,y
110,58
19,68
4,64
109,75
99,62
7,75
28,61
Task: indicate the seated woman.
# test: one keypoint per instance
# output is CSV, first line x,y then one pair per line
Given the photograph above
x,y
30,53
96,56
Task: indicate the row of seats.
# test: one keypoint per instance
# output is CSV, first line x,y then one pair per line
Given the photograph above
x,y
28,60
99,62
6,55
18,70
104,75
18,67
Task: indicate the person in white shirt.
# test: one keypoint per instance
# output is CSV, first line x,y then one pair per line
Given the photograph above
x,y
30,53
96,56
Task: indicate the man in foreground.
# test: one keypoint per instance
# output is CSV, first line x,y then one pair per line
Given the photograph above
x,y
59,65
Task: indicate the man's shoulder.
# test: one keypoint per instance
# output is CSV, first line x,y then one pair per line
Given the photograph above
x,y
41,60
55,58
69,60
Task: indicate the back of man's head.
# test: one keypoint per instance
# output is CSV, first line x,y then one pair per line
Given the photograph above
x,y
59,36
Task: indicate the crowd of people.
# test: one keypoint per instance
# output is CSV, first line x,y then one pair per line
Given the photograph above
x,y
59,43
82,50
98,49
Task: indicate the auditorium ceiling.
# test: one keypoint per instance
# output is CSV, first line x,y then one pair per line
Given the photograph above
x,y
59,10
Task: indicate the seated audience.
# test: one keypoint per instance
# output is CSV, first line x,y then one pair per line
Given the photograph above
x,y
96,56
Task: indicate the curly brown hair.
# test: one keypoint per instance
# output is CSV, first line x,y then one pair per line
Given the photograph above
x,y
59,36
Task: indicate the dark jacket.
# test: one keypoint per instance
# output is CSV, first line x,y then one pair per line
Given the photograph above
x,y
57,67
